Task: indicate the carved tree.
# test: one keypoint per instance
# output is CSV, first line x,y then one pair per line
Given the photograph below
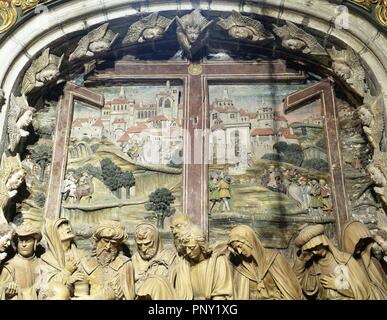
x,y
42,155
160,202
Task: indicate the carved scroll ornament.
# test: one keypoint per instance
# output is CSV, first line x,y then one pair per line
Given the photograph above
x,y
9,13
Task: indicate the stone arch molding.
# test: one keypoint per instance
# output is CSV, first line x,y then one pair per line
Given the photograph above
x,y
27,41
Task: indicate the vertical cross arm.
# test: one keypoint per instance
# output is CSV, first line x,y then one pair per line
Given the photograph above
x,y
62,135
324,91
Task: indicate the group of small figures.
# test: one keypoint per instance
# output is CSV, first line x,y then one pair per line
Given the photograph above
x,y
239,268
312,195
74,188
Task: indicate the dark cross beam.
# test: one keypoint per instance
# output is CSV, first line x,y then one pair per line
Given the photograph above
x,y
323,90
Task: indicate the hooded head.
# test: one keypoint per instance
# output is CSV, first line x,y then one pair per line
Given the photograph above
x,y
54,233
313,239
357,241
243,241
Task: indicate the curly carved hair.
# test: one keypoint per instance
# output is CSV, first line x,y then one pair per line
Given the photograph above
x,y
196,233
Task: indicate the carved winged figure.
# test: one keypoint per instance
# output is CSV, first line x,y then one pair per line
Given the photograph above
x,y
12,176
368,125
96,41
2,98
296,39
19,118
151,27
192,32
372,117
42,70
244,28
347,65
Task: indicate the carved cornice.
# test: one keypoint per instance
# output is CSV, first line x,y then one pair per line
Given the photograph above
x,y
9,12
380,11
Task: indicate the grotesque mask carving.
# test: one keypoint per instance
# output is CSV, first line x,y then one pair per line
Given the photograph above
x,y
192,32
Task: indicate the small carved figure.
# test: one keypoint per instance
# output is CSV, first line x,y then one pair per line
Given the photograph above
x,y
62,258
192,32
202,274
260,273
151,27
69,187
244,28
347,65
368,124
324,272
224,191
12,175
109,272
20,276
42,71
6,234
85,187
357,241
19,119
178,223
96,41
213,187
377,176
296,39
152,264
325,196
314,191
2,98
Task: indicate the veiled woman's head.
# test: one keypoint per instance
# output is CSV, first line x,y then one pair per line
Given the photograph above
x,y
312,239
356,238
244,242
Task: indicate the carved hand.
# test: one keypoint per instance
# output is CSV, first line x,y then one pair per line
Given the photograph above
x,y
328,282
76,276
12,289
70,265
24,133
12,193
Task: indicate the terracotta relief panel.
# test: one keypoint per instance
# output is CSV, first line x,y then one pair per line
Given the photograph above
x,y
120,154
266,167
